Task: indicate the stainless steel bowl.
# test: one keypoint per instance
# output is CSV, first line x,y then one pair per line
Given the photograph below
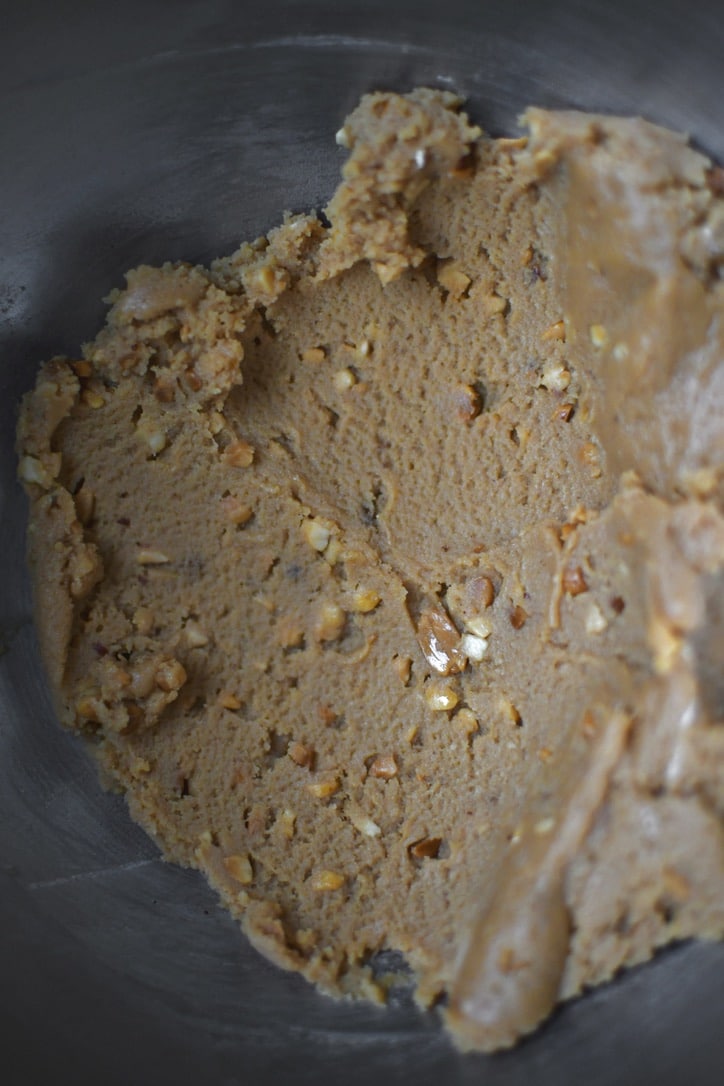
x,y
157,130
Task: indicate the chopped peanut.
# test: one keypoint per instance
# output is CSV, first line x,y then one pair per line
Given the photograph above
x,y
325,881
384,766
440,642
149,557
301,754
555,331
440,697
317,533
365,600
573,581
426,849
324,788
240,869
238,454
314,354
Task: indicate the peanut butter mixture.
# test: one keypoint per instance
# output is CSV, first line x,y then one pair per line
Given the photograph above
x,y
381,563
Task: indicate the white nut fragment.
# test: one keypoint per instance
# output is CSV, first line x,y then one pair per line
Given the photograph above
x,y
556,377
544,826
324,789
240,869
365,825
33,470
596,621
599,335
420,158
317,533
440,698
365,600
344,380
481,626
325,881
474,647
329,622
314,355
195,636
147,556
341,138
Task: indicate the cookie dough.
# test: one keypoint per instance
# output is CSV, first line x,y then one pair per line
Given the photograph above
x,y
381,563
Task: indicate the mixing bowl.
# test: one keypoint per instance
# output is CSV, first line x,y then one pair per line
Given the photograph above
x,y
158,130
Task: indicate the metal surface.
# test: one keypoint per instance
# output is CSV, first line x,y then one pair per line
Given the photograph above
x,y
154,130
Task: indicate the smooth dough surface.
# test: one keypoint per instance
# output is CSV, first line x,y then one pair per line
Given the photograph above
x,y
382,563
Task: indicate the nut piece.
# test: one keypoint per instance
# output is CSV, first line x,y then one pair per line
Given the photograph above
x,y
301,754
518,617
452,279
240,869
149,557
235,510
287,824
599,335
365,600
573,581
596,621
479,593
171,675
314,354
238,454
317,533
555,331
330,622
426,849
325,881
384,767
440,642
474,647
365,825
324,789
344,380
403,668
227,700
194,635
468,404
440,697
467,721
555,377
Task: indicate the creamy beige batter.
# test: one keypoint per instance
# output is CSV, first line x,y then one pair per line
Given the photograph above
x,y
382,564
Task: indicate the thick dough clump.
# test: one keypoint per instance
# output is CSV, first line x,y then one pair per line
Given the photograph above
x,y
382,563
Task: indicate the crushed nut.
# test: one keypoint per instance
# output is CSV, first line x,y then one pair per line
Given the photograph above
x,y
194,635
440,698
33,470
92,399
240,869
452,279
290,632
467,720
518,617
365,600
317,533
426,849
82,369
384,767
344,380
544,826
403,668
238,454
474,647
314,355
329,623
171,675
589,456
595,620
555,377
599,335
301,754
564,411
479,593
555,331
440,642
364,824
468,404
85,504
287,823
235,510
327,880
143,620
493,303
227,700
573,581
325,788
341,138
149,557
